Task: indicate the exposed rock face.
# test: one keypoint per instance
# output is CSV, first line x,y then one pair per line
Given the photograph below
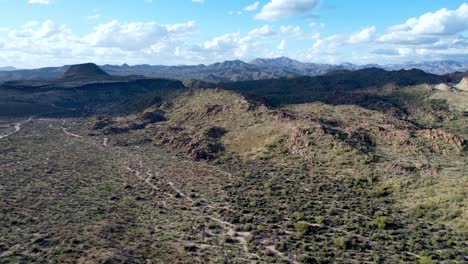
x,y
463,85
437,134
442,87
84,71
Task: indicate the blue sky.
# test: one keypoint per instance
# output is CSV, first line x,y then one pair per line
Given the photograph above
x,y
35,33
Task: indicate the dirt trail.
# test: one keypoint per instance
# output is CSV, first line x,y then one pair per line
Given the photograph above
x,y
137,169
70,134
17,127
273,250
229,227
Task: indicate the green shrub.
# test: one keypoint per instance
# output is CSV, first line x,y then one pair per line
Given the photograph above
x,y
424,210
380,222
302,228
298,215
341,242
320,219
439,105
426,260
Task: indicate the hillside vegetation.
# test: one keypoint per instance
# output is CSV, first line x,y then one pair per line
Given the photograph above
x,y
372,179
350,167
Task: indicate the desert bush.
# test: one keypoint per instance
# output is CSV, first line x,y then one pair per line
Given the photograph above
x,y
302,228
341,242
426,260
320,219
380,222
298,215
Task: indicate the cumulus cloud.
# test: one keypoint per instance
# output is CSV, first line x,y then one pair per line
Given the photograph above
x,y
262,32
40,31
135,36
238,46
252,7
364,35
39,2
224,42
139,42
279,9
291,30
438,35
334,41
428,28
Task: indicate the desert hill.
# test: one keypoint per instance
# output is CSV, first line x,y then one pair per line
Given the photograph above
x,y
357,164
82,90
367,165
84,71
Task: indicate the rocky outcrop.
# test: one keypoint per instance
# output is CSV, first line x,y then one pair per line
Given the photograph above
x,y
437,134
202,146
463,85
443,87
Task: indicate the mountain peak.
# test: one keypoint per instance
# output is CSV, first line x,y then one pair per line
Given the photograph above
x,y
84,71
278,62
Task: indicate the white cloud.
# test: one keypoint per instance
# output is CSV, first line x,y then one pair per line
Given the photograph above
x,y
316,25
291,30
438,35
224,42
235,46
198,1
136,36
279,9
332,42
262,32
364,35
282,45
36,43
428,28
252,7
40,31
39,2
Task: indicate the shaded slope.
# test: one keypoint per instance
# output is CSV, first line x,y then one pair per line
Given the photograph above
x,y
307,89
84,71
82,90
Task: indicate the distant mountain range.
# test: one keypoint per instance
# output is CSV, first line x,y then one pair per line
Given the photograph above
x,y
230,71
7,68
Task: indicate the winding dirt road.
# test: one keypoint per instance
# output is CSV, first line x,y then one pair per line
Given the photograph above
x,y
17,127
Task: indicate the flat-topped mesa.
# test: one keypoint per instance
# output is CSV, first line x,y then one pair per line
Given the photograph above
x,y
84,71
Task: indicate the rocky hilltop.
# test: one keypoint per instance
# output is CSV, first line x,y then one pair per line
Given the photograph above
x,y
463,85
84,71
